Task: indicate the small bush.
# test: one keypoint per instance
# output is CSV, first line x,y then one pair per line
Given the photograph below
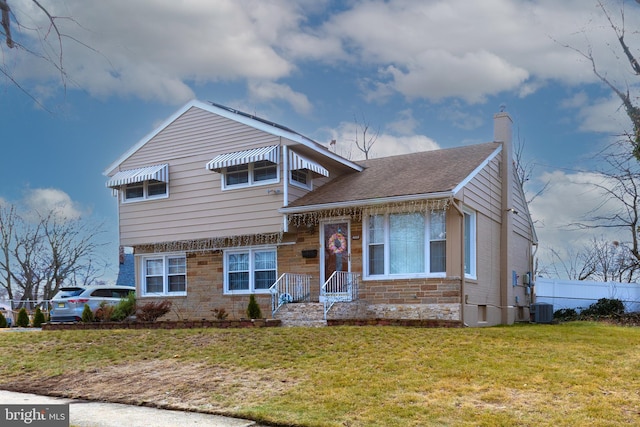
x,y
104,312
23,318
87,314
253,309
603,307
3,321
38,318
220,313
565,314
125,308
152,311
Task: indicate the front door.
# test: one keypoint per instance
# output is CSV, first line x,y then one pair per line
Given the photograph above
x,y
336,248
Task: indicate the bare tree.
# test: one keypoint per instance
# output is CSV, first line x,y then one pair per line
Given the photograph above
x,y
632,109
575,265
50,37
600,260
70,244
619,206
39,257
365,136
524,169
8,218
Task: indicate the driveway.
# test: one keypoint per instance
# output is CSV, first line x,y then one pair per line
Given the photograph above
x,y
99,414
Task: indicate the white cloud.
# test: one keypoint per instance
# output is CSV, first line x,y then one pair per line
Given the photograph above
x,y
385,144
156,50
405,124
267,91
43,201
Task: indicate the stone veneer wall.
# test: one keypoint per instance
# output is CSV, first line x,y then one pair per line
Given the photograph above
x,y
432,298
205,292
363,310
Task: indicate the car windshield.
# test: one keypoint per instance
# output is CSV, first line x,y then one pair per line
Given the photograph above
x,y
69,292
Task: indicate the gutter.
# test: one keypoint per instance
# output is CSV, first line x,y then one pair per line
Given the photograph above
x,y
366,202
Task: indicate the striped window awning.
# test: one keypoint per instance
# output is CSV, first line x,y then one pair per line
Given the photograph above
x,y
296,161
244,157
133,176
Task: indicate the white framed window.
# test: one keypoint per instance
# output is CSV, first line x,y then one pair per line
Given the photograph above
x,y
405,245
470,255
300,178
163,274
257,173
249,271
146,190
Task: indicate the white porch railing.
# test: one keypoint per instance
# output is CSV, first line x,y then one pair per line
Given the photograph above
x,y
342,286
288,288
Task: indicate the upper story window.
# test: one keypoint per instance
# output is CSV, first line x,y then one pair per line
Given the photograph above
x,y
145,190
301,178
257,173
302,170
407,245
149,182
249,167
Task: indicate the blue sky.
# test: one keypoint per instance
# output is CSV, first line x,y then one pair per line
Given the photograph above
x,y
427,73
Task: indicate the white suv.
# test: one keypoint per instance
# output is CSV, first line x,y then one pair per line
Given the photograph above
x,y
68,304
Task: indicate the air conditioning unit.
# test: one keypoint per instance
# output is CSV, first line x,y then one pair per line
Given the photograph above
x,y
542,312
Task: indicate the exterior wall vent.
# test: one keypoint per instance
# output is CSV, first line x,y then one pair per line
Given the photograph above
x,y
542,312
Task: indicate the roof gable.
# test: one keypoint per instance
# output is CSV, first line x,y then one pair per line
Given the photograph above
x,y
240,117
436,173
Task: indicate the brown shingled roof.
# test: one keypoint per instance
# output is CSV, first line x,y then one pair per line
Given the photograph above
x,y
403,175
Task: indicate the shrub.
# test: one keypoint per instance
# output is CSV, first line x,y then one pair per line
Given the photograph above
x,y
3,321
104,312
23,318
38,318
220,313
125,308
604,307
152,311
253,309
565,314
87,314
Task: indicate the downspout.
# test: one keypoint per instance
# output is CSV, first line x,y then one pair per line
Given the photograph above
x,y
462,261
285,186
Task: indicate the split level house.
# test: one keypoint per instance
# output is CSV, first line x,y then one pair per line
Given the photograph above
x,y
218,205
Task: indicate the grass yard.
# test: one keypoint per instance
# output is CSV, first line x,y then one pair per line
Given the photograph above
x,y
572,374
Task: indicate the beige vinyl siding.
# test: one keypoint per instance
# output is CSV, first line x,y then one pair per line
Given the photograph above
x,y
483,194
521,223
197,208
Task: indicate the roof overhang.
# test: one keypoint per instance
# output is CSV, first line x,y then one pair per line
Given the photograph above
x,y
133,176
244,157
366,202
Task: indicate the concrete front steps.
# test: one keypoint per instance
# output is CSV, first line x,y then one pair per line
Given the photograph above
x,y
309,314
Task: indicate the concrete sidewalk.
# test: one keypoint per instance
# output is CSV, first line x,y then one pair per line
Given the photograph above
x,y
85,413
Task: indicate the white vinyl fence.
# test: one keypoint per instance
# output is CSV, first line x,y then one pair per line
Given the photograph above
x,y
581,294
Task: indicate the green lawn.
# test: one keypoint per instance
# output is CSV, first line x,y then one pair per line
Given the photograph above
x,y
573,374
